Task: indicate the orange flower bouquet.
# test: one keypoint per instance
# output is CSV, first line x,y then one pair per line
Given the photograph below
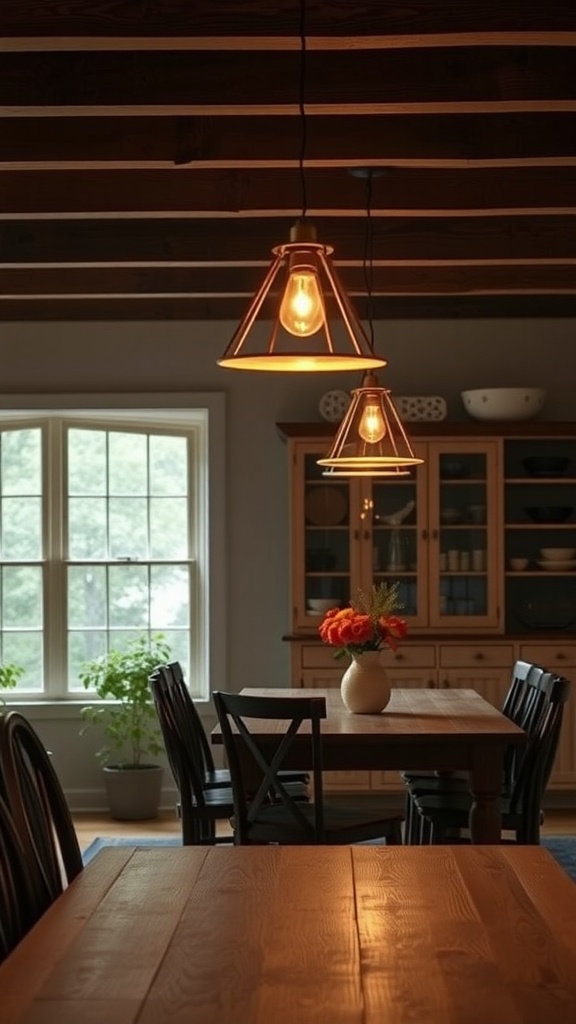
x,y
368,624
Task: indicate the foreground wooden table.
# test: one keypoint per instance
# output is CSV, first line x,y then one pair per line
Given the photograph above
x,y
420,728
321,935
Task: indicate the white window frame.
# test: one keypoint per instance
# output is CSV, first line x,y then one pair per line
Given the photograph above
x,y
205,410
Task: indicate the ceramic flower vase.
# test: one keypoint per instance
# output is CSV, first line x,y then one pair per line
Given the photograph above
x,y
365,687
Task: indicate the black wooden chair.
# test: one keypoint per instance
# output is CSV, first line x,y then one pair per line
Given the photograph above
x,y
268,813
38,807
201,804
520,705
445,814
17,901
214,776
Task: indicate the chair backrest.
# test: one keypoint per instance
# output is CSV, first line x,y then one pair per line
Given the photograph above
x,y
522,706
536,762
36,801
254,771
521,673
204,750
177,718
17,902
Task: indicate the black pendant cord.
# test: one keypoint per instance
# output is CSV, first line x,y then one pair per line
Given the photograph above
x,y
301,94
367,263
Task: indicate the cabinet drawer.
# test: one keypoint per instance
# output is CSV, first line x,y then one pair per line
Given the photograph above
x,y
477,655
407,656
411,656
320,656
551,656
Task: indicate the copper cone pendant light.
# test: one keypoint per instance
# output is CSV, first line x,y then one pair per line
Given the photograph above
x,y
300,337
299,295
371,440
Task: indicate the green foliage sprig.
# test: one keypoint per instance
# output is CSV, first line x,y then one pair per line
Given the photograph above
x,y
10,674
130,724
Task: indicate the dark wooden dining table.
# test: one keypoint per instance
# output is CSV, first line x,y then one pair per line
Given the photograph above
x,y
447,729
321,935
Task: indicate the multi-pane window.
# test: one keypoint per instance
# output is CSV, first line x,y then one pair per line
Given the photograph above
x,y
102,539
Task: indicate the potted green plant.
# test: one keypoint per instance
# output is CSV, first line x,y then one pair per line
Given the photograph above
x,y
10,673
128,717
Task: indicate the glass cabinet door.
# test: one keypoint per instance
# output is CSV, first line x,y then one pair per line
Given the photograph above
x,y
396,510
463,534
324,562
434,530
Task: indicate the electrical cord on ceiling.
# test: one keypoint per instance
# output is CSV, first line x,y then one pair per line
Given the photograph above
x,y
301,94
368,262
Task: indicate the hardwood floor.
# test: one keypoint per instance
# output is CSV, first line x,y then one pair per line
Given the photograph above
x,y
89,826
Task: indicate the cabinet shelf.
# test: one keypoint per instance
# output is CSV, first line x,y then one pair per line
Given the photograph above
x,y
539,527
540,481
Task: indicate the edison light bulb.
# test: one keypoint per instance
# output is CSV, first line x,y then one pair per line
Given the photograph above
x,y
302,309
372,427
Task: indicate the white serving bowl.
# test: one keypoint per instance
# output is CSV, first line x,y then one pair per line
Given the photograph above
x,y
322,604
557,554
503,403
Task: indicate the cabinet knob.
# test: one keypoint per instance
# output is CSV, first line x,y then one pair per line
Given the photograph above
x,y
478,656
560,656
398,657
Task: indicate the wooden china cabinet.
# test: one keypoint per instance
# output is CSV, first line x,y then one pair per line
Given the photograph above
x,y
450,532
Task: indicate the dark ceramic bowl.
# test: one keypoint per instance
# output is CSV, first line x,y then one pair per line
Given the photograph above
x,y
549,513
551,465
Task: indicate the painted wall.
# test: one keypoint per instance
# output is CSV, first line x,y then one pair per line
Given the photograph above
x,y
439,358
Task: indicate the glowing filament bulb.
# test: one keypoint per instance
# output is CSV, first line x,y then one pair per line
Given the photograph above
x,y
302,309
372,427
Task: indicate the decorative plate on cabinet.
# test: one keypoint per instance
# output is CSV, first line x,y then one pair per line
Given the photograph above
x,y
333,405
414,408
325,506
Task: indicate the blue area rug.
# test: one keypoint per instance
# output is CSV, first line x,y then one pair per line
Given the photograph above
x,y
562,848
101,841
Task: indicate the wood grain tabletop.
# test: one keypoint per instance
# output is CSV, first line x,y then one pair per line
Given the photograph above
x,y
322,935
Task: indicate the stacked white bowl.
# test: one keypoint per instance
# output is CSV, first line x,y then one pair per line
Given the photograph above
x,y
320,605
557,559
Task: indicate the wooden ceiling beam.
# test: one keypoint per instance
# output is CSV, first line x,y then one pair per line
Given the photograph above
x,y
130,18
479,307
214,241
478,79
259,44
227,142
230,282
257,193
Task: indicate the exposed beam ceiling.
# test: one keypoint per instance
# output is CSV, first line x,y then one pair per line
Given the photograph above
x,y
149,154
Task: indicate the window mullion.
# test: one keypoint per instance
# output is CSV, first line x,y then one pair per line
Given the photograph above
x,y
55,518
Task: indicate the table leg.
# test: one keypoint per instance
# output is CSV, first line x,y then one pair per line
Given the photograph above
x,y
486,787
